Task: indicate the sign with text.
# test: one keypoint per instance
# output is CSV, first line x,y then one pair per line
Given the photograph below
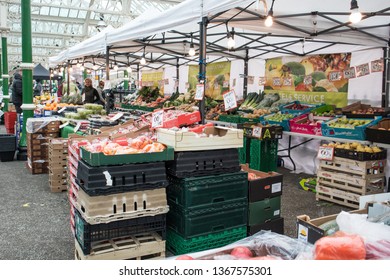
x,y
230,100
325,153
287,82
77,127
276,82
349,73
308,80
117,116
251,80
256,132
157,118
334,76
199,92
362,70
261,81
377,65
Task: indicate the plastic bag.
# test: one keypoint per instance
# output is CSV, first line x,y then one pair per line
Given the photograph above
x,y
378,250
34,125
340,246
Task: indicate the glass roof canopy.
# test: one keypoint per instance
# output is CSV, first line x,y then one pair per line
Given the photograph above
x,y
59,24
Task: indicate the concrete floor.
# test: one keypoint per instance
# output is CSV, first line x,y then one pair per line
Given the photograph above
x,y
34,222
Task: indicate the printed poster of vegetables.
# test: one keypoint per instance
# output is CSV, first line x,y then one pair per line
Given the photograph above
x,y
153,79
309,79
217,82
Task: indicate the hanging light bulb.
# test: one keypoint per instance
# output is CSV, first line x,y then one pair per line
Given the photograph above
x,y
116,67
70,69
191,51
82,67
78,65
231,42
143,61
270,20
129,70
62,69
52,75
89,71
355,15
55,72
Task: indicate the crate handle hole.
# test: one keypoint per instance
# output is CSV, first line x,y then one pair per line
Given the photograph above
x,y
114,181
219,199
124,207
143,177
123,180
135,179
135,206
213,163
83,209
217,228
197,165
144,204
114,209
267,209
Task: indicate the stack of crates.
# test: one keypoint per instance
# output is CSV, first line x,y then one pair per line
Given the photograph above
x,y
119,209
58,171
39,133
264,200
208,200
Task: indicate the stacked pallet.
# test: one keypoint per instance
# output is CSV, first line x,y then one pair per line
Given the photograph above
x,y
39,133
343,181
207,194
119,207
58,171
264,200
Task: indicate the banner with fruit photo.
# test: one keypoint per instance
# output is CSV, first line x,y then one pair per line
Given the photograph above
x,y
217,82
153,79
310,79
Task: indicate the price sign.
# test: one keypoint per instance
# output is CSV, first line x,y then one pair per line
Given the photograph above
x,y
62,109
158,119
362,70
230,100
77,127
117,116
377,65
276,81
234,82
335,76
287,82
325,153
225,84
187,86
307,80
199,92
251,80
349,73
257,132
64,124
262,81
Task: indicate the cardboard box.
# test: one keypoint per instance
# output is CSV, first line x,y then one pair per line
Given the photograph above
x,y
308,230
275,225
268,185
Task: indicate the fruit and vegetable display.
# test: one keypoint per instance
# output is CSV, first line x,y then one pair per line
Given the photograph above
x,y
279,117
252,176
174,118
177,99
142,144
214,113
256,113
348,123
255,101
330,113
85,112
297,106
72,98
354,147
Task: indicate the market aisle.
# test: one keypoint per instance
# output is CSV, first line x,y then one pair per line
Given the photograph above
x,y
34,221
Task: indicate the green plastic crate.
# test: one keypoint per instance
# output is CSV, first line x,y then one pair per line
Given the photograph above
x,y
264,210
244,152
68,129
230,118
179,245
98,159
263,155
196,192
212,218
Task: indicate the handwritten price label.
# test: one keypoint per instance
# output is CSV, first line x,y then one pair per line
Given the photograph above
x,y
349,73
362,70
117,116
307,80
335,76
257,132
158,119
77,127
325,153
62,109
199,92
230,100
276,81
377,65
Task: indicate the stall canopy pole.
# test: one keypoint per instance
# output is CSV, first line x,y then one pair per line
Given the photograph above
x,y
202,63
107,63
177,75
4,74
246,60
68,77
139,82
50,85
386,77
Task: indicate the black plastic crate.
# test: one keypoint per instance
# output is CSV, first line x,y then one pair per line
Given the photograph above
x,y
124,178
86,234
275,225
204,163
7,156
196,192
221,217
7,143
360,156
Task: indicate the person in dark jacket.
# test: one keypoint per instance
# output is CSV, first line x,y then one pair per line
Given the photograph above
x,y
89,93
17,96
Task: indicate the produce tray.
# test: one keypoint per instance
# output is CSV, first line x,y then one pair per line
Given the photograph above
x,y
264,210
324,108
360,156
179,245
104,180
266,132
142,246
380,132
299,124
348,111
98,159
190,225
358,133
249,120
86,234
218,138
193,193
267,185
265,120
286,108
203,163
230,118
114,207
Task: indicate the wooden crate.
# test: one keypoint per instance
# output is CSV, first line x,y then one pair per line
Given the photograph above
x,y
145,246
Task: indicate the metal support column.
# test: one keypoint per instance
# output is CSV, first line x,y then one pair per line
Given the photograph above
x,y
50,80
5,75
107,64
138,76
126,80
246,60
68,77
27,66
1,71
386,77
202,63
177,75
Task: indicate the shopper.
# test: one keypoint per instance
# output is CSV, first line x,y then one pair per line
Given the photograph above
x,y
60,88
17,95
72,87
89,93
100,89
37,89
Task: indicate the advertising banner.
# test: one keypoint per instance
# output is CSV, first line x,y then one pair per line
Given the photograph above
x,y
309,79
217,82
153,79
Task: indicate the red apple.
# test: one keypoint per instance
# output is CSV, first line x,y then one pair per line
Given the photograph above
x,y
241,252
184,257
